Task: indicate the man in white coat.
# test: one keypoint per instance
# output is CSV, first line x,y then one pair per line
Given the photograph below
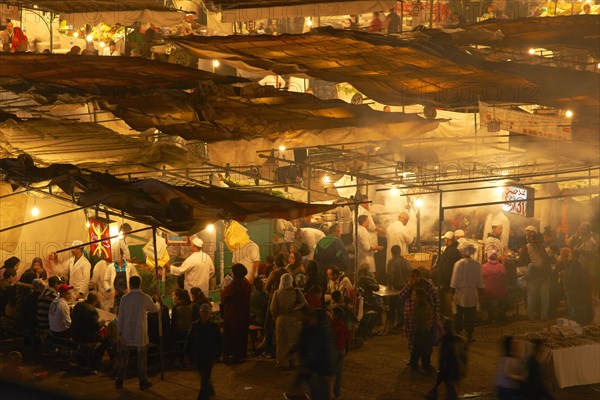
x,y
79,271
116,281
366,251
310,237
398,234
198,268
132,331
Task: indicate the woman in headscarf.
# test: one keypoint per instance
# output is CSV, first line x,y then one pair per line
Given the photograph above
x,y
37,267
296,269
286,301
19,44
235,301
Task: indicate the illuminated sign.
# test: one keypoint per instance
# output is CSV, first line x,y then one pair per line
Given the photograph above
x,y
519,200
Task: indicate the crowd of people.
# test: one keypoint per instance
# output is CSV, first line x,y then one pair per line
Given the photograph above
x,y
305,301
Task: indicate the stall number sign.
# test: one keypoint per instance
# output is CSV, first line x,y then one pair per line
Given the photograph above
x,y
524,207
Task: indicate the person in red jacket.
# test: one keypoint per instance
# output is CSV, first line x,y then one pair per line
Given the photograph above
x,y
19,41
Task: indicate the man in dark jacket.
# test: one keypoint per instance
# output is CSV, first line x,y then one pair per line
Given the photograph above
x,y
449,257
331,251
204,346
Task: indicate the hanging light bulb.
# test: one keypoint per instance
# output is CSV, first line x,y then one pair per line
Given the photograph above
x,y
35,211
394,191
282,148
569,114
419,203
210,228
89,38
326,179
309,22
216,63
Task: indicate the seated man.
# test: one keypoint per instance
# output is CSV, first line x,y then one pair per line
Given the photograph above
x,y
85,328
59,314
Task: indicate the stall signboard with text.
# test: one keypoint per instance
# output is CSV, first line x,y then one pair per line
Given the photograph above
x,y
519,200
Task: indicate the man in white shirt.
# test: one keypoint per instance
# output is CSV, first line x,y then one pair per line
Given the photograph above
x,y
364,209
59,313
399,234
111,50
120,250
493,241
366,251
249,255
310,237
132,330
198,268
466,283
79,271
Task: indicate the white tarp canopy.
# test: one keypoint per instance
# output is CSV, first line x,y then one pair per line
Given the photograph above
x,y
322,10
127,18
51,141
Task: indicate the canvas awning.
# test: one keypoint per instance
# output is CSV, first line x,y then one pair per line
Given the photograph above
x,y
396,72
50,141
181,209
101,75
251,10
214,114
126,17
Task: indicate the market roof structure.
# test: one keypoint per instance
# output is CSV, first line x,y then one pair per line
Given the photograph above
x,y
100,75
182,209
89,6
394,71
248,10
213,113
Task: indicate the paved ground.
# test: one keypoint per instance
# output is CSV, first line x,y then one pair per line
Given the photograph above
x,y
376,371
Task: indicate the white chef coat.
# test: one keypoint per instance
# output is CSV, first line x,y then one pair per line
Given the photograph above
x,y
398,234
79,275
372,229
248,254
365,255
198,269
121,247
467,278
104,296
310,237
59,315
133,320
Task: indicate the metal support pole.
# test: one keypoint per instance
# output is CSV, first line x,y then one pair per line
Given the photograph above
x,y
430,14
401,23
418,230
440,221
97,241
158,291
308,175
51,33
